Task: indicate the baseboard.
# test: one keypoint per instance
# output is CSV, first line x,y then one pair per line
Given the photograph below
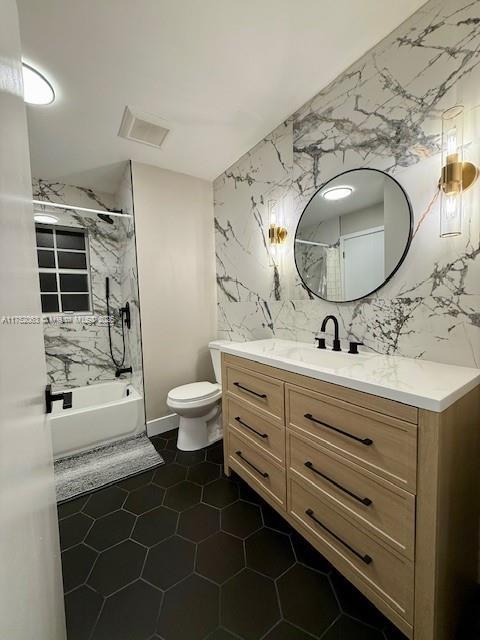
x,y
161,425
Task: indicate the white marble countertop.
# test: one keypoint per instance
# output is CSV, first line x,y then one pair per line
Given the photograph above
x,y
420,383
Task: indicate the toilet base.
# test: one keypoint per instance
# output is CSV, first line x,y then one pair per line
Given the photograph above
x,y
198,433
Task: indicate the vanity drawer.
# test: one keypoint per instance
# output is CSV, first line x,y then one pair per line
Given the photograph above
x,y
384,445
258,470
354,552
257,429
258,390
387,511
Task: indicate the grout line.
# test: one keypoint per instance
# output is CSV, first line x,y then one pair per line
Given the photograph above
x,y
330,626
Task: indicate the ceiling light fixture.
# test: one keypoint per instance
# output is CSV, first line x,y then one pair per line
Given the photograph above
x,y
45,218
36,88
337,193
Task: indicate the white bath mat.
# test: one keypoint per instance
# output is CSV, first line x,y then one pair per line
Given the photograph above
x,y
105,465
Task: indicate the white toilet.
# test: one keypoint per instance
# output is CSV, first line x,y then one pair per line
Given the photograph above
x,y
199,406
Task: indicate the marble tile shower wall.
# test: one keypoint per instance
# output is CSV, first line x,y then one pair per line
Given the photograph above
x,y
383,112
77,353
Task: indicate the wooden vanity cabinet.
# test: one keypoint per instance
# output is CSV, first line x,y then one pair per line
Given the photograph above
x,y
387,492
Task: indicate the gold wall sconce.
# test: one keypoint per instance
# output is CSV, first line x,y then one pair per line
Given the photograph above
x,y
277,231
276,234
457,176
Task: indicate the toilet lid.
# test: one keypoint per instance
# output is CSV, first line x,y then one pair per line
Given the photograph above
x,y
194,391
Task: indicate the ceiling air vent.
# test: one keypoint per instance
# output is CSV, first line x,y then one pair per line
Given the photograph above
x,y
142,127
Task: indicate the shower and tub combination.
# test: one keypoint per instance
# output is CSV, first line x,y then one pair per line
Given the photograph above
x,y
103,412
100,413
87,269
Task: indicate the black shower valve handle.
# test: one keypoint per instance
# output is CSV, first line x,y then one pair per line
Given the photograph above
x,y
125,315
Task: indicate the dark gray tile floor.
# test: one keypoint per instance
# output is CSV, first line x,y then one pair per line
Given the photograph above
x,y
183,553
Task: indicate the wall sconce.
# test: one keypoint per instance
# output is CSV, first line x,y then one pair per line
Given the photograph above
x,y
277,232
457,176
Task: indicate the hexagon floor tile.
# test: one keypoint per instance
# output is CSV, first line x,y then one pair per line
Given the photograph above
x,y
155,526
169,475
117,567
105,501
144,499
198,522
169,562
269,552
307,599
286,631
204,473
130,613
198,619
184,553
220,493
110,530
249,605
220,557
82,607
183,496
241,519
348,628
73,529
77,562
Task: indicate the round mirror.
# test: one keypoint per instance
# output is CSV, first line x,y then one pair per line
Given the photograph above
x,y
353,235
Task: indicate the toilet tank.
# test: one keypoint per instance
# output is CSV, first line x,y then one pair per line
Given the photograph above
x,y
216,355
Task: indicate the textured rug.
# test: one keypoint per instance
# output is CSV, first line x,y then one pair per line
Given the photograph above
x,y
104,465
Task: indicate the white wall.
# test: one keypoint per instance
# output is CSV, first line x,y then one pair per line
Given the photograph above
x,y
31,593
362,219
176,269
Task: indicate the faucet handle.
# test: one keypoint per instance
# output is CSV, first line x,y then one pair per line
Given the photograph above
x,y
321,343
353,348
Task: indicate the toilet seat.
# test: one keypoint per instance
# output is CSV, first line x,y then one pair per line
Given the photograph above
x,y
194,394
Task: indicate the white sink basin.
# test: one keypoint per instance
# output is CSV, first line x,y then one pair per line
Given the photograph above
x,y
324,358
421,383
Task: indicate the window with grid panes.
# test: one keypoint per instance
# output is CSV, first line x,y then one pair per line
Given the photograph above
x,y
63,267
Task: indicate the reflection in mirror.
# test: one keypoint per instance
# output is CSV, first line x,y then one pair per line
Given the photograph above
x,y
353,235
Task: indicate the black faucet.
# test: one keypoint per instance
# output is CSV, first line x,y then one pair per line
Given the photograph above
x,y
119,372
336,340
50,397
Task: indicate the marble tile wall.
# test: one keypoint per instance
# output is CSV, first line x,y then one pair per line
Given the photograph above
x,y
382,112
77,352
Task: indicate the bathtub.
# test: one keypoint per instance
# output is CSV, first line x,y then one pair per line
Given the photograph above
x,y
100,413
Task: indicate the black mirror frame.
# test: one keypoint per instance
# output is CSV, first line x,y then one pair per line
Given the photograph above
x,y
402,258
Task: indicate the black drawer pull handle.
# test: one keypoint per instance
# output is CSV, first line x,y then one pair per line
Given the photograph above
x,y
264,474
366,501
365,441
244,424
259,395
365,558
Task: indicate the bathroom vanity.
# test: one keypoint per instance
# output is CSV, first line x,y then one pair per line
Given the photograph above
x,y
373,459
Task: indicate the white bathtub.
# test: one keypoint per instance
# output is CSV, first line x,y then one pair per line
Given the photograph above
x,y
100,413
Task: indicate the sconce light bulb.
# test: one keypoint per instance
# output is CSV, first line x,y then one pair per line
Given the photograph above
x,y
452,142
450,206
